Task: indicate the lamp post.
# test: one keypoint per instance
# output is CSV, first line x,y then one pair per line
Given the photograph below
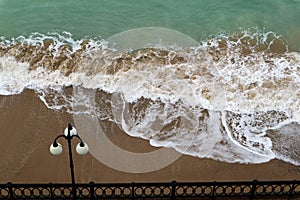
x,y
81,148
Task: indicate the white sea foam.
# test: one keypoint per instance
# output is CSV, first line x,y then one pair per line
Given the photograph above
x,y
217,103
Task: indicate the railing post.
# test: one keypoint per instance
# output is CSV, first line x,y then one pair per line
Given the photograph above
x,y
92,190
292,190
253,189
11,192
213,190
132,191
51,191
174,183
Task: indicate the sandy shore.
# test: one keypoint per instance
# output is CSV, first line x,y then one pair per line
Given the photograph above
x,y
28,127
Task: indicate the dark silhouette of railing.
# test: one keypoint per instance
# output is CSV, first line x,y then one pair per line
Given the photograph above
x,y
171,190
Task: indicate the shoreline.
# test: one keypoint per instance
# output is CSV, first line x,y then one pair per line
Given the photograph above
x,y
28,128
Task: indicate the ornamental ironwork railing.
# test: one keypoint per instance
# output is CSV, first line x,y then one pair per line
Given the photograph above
x,y
171,190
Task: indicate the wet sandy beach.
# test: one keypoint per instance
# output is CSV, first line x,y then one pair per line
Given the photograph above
x,y
28,128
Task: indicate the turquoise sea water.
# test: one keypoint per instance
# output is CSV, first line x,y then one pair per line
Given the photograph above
x,y
196,18
233,97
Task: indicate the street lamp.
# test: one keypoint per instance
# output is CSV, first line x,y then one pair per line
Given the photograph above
x,y
81,148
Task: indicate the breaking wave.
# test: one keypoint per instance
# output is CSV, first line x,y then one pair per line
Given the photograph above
x,y
233,97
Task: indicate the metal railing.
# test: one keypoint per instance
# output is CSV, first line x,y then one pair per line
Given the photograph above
x,y
171,190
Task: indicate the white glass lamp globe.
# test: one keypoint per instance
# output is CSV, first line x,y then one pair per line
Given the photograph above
x,y
72,132
56,149
82,148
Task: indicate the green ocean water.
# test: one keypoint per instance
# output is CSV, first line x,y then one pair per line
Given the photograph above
x,y
104,18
